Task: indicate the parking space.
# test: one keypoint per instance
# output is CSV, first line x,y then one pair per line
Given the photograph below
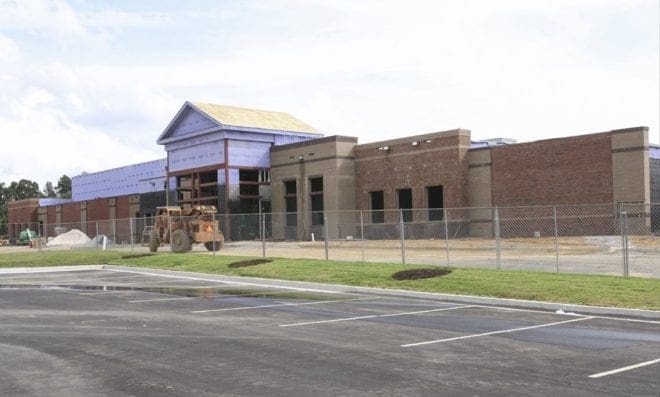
x,y
104,332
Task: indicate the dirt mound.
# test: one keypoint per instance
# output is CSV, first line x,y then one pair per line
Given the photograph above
x,y
71,238
249,262
415,274
131,256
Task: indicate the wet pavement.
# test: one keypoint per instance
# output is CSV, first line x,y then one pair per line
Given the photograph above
x,y
103,332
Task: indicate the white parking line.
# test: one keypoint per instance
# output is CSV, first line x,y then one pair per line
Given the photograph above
x,y
231,282
374,316
164,299
495,332
280,305
107,276
105,292
151,282
623,369
513,309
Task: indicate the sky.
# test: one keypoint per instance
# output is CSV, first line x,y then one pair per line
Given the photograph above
x,y
90,85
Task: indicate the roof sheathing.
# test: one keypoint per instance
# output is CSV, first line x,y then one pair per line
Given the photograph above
x,y
254,118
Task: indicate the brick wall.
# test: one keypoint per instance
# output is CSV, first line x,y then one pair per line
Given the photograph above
x,y
21,215
121,205
441,161
97,210
71,212
574,170
22,211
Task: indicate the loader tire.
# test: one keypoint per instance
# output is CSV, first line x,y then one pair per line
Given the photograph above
x,y
180,242
213,245
154,241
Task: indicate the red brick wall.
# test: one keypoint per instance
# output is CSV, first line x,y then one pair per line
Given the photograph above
x,y
122,207
439,162
574,170
22,211
70,212
52,214
98,209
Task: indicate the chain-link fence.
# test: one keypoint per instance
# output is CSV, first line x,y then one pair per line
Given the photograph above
x,y
602,239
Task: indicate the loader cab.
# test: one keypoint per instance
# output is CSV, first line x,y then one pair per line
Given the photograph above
x,y
171,211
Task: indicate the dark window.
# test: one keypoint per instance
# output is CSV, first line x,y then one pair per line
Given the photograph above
x,y
208,177
248,175
316,199
249,205
248,186
209,191
404,198
435,202
316,184
248,189
377,202
290,188
291,203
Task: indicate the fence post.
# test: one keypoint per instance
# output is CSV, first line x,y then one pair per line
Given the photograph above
x,y
114,231
446,219
97,234
215,232
362,235
624,239
130,230
403,237
170,219
498,250
42,234
263,235
554,208
325,235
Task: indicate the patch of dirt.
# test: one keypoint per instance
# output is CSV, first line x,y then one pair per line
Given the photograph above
x,y
415,274
135,256
250,262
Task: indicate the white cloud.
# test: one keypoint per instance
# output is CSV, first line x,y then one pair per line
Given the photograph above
x,y
374,69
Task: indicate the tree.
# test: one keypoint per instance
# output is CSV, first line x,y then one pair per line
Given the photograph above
x,y
64,187
24,189
4,199
49,190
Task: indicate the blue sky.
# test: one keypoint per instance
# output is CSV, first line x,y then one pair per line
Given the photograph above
x,y
89,85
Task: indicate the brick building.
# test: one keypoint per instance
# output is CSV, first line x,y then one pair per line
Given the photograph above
x,y
245,161
447,170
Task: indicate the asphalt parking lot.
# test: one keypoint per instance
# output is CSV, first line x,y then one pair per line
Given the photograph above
x,y
108,332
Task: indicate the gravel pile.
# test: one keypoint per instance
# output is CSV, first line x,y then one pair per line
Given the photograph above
x,y
71,238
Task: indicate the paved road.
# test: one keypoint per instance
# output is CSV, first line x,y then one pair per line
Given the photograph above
x,y
103,332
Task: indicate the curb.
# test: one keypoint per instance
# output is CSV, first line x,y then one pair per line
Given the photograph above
x,y
49,269
335,288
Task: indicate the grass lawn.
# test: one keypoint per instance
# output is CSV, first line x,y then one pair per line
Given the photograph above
x,y
631,292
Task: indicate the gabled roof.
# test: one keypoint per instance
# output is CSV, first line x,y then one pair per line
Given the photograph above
x,y
220,116
244,117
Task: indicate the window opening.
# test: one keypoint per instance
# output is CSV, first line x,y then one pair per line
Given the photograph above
x,y
377,205
316,199
434,202
404,198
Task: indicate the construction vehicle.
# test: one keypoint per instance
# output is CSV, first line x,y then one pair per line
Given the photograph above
x,y
26,236
182,227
